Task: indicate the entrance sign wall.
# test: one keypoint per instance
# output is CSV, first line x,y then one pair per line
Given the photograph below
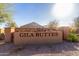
x,y
36,36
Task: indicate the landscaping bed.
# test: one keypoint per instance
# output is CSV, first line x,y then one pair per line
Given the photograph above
x,y
63,49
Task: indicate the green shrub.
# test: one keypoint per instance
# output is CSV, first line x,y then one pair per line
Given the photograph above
x,y
72,37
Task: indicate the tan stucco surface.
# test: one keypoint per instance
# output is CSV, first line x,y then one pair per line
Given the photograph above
x,y
49,38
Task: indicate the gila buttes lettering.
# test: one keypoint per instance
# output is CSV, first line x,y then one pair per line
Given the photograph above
x,y
37,34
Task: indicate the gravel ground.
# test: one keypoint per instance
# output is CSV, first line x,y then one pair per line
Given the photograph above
x,y
61,49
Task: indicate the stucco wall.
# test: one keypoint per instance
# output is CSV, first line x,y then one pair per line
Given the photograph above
x,y
8,34
65,31
21,38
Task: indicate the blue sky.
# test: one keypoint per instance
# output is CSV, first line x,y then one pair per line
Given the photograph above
x,y
39,12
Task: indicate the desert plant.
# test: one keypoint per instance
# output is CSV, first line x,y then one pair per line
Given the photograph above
x,y
72,30
72,37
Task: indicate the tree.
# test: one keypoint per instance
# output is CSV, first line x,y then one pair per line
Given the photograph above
x,y
76,22
5,13
11,24
53,24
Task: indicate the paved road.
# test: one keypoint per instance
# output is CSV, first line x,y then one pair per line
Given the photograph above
x,y
62,49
